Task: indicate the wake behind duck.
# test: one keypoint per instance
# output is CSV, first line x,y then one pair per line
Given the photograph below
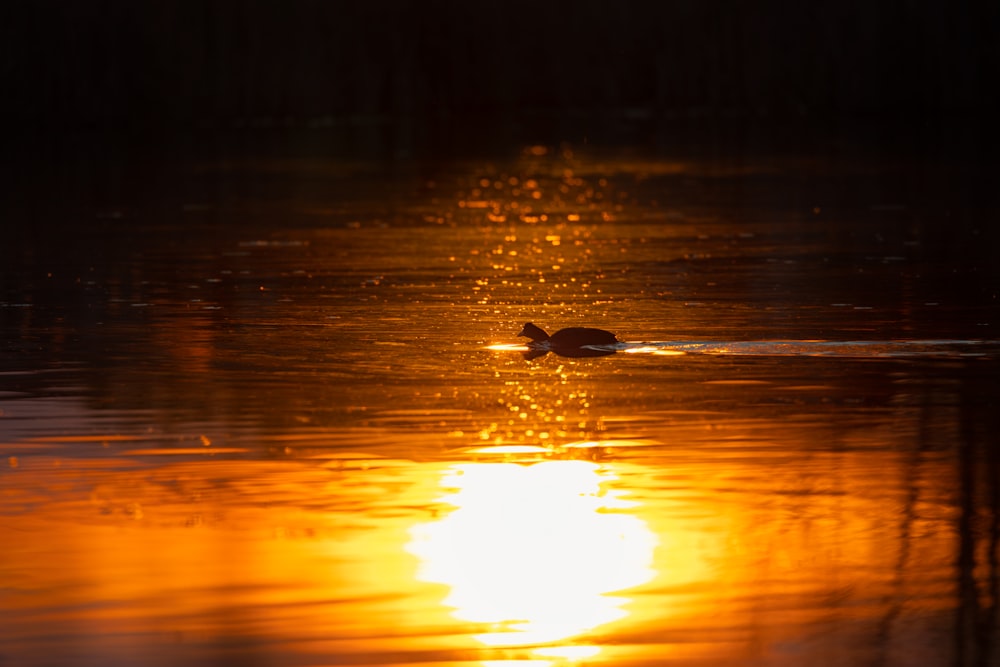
x,y
590,342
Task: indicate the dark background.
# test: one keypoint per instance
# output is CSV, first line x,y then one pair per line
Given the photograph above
x,y
438,77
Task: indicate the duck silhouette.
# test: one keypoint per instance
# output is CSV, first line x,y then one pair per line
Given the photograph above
x,y
569,342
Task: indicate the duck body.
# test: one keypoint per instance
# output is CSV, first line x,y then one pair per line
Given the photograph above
x,y
569,340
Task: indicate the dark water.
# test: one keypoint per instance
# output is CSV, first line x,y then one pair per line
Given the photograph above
x,y
273,412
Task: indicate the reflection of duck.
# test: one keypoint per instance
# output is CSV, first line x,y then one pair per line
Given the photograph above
x,y
569,342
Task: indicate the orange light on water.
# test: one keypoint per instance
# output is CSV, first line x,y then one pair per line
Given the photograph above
x,y
534,553
508,347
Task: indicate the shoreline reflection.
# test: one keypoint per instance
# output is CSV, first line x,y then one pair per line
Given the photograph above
x,y
534,554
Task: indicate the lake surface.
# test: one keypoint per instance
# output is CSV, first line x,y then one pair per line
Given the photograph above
x,y
273,411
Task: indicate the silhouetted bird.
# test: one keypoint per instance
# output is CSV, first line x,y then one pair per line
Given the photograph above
x,y
570,342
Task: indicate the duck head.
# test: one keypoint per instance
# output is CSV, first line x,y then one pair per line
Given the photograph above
x,y
536,334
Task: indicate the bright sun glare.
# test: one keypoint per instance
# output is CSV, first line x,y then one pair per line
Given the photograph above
x,y
533,551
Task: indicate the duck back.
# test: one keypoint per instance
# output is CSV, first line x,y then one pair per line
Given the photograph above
x,y
580,336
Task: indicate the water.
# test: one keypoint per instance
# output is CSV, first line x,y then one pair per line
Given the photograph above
x,y
274,412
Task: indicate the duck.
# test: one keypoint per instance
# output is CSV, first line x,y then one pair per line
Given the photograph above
x,y
569,342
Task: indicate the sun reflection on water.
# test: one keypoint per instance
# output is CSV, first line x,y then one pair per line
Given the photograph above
x,y
534,553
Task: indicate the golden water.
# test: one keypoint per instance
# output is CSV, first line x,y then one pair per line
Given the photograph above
x,y
280,420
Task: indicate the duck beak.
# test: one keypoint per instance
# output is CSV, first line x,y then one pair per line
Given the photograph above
x,y
522,333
